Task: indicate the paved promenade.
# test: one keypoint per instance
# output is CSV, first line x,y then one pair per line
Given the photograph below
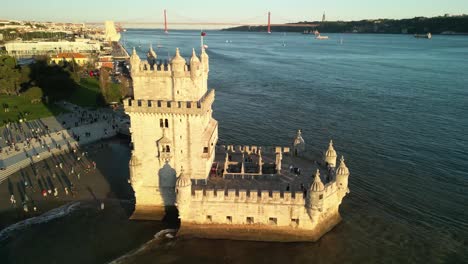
x,y
31,141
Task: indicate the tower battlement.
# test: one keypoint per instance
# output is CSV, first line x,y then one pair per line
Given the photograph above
x,y
175,80
248,196
199,107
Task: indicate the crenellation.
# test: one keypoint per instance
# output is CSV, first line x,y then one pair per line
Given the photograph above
x,y
298,198
242,195
163,106
276,195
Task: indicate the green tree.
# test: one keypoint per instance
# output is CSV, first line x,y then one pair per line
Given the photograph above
x,y
10,75
34,94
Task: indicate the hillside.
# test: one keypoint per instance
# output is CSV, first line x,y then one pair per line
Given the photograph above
x,y
435,25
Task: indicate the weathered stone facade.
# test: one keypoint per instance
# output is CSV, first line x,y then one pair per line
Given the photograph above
x,y
173,133
171,126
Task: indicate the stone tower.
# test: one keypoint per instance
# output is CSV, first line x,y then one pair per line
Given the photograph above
x,y
171,126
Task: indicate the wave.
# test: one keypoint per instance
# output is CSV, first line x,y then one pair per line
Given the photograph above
x,y
158,237
46,217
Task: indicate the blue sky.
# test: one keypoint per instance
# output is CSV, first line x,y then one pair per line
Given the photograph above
x,y
247,11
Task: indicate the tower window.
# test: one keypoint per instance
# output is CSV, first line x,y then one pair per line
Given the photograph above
x,y
229,219
321,196
250,220
166,123
273,221
161,122
168,149
209,218
205,150
294,222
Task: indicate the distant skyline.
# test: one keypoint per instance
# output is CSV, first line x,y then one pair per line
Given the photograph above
x,y
239,11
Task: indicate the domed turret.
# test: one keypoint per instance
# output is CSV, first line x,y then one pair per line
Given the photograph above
x,y
183,181
330,155
151,52
315,195
151,55
134,60
183,193
194,59
205,60
178,62
317,185
342,175
342,169
194,64
298,144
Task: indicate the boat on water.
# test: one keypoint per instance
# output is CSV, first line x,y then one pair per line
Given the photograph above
x,y
318,36
426,36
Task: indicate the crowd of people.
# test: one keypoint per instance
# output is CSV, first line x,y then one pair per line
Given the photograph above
x,y
50,179
47,134
60,137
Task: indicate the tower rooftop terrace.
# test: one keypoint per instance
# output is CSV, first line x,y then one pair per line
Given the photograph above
x,y
267,181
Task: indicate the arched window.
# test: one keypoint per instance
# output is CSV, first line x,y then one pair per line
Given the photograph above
x,y
168,149
166,123
161,122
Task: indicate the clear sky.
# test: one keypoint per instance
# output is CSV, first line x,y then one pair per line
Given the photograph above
x,y
243,11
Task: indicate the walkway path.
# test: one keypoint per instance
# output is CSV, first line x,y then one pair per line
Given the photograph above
x,y
27,142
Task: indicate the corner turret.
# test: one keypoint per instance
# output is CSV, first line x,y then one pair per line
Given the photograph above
x,y
134,60
178,63
342,174
151,55
205,60
330,155
194,65
315,197
183,193
299,144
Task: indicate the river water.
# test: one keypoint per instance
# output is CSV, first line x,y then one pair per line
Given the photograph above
x,y
396,108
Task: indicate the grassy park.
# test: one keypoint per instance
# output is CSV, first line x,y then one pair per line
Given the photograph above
x,y
21,107
24,89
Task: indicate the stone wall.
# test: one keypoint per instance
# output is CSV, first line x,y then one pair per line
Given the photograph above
x,y
244,214
273,208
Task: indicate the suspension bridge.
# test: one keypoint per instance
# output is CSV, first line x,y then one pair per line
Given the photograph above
x,y
181,21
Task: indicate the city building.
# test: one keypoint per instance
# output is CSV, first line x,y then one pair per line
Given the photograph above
x,y
79,59
30,48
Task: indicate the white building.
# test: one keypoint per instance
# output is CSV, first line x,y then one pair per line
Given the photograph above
x,y
50,47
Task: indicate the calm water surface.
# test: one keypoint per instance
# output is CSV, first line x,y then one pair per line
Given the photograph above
x,y
396,108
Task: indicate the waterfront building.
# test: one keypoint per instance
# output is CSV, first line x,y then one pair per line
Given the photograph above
x,y
176,161
79,58
31,48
